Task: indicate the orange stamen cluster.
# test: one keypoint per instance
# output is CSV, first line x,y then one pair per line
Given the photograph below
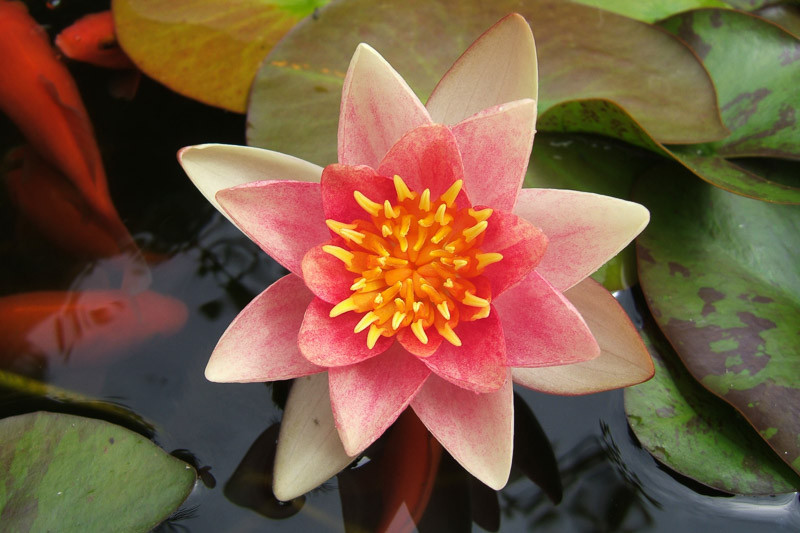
x,y
414,260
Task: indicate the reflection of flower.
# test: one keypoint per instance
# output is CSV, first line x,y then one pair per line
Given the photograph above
x,y
421,272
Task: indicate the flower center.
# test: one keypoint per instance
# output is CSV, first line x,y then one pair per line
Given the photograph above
x,y
418,264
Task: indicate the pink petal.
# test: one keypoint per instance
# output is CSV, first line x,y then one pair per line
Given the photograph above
x,y
378,107
521,244
283,217
326,275
479,364
327,341
499,67
339,182
477,429
309,450
426,157
495,147
584,230
368,397
623,360
261,342
541,327
411,343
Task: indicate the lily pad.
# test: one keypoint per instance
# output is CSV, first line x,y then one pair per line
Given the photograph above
x,y
650,11
721,276
205,49
787,16
294,103
696,434
761,107
67,473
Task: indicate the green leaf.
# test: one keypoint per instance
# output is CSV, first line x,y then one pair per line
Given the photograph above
x,y
591,164
73,474
694,433
651,10
754,65
787,16
721,274
203,49
294,103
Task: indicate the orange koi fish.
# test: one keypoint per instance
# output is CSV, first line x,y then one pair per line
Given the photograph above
x,y
84,326
41,98
92,39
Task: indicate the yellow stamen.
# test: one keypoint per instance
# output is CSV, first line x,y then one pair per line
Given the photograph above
x,y
402,189
458,264
388,211
399,304
339,253
425,200
447,332
474,231
441,234
419,331
386,230
395,261
405,225
353,235
373,335
483,312
487,259
365,322
474,301
359,284
417,306
450,194
397,319
481,215
448,283
441,217
336,226
366,204
444,310
343,307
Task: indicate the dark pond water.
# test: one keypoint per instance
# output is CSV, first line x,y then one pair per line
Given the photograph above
x,y
609,483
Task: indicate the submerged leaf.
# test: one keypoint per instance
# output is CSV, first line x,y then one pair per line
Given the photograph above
x,y
67,473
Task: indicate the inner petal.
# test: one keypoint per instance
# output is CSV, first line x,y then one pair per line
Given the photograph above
x,y
417,264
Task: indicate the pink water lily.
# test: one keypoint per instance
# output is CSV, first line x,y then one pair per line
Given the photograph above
x,y
422,275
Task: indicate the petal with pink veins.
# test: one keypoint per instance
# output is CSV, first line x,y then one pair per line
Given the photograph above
x,y
309,450
339,183
378,107
584,230
521,244
368,397
426,158
261,342
495,146
213,167
623,360
542,327
327,341
477,429
326,275
499,67
283,217
479,364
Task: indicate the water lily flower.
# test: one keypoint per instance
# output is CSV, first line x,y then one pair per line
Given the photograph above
x,y
422,275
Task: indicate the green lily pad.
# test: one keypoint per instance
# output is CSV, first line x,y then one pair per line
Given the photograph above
x,y
592,164
754,65
721,274
650,11
696,434
787,16
205,49
67,473
295,98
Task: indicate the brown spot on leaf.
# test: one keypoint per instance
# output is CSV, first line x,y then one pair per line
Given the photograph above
x,y
786,119
746,105
790,54
687,33
756,298
644,254
710,296
665,412
677,268
716,19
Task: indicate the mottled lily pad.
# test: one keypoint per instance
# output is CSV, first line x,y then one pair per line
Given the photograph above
x,y
721,274
685,427
755,67
205,49
652,10
67,473
295,98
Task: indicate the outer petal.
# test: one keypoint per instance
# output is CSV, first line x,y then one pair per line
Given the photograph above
x,y
584,230
261,343
495,147
479,364
522,245
378,107
426,157
339,182
283,217
368,397
309,450
410,342
213,167
326,276
623,360
499,67
542,328
477,429
327,341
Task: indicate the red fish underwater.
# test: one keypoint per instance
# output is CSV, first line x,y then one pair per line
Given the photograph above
x,y
92,39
